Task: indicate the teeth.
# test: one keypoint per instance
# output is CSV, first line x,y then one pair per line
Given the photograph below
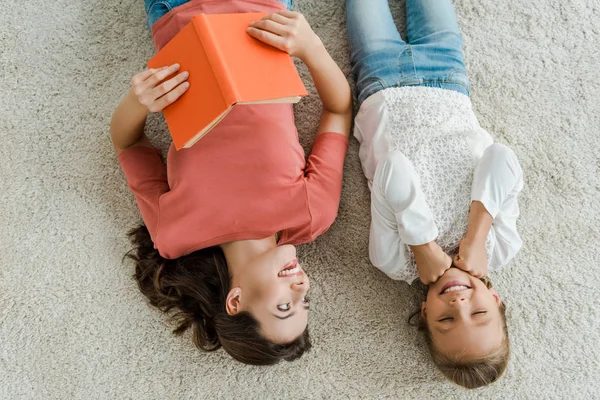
x,y
454,289
292,271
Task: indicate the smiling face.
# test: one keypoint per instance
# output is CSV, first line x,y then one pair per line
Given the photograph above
x,y
273,287
463,315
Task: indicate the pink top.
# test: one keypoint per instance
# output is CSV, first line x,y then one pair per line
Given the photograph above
x,y
175,20
246,179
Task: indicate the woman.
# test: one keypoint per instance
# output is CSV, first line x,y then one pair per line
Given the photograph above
x,y
439,187
222,218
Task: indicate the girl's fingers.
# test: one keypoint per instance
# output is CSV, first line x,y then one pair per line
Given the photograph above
x,y
160,75
267,37
459,263
270,26
170,97
169,85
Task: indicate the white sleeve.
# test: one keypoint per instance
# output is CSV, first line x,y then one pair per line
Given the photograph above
x,y
371,129
497,182
399,215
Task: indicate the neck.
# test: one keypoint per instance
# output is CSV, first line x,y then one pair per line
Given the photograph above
x,y
239,253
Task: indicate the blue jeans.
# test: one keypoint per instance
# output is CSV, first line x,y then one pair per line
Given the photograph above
x,y
432,55
155,9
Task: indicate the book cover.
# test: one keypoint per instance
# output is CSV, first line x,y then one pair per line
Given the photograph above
x,y
227,68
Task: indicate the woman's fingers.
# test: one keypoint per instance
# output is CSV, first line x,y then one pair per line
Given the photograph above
x,y
156,93
160,75
288,13
142,76
169,97
270,26
268,38
168,85
277,17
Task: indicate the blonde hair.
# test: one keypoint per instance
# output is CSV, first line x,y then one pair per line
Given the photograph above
x,y
472,373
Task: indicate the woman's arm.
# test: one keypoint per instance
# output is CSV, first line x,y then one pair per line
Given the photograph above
x,y
148,93
290,32
127,124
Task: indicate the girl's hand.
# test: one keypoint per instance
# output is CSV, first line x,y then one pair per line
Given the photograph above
x,y
472,257
287,31
432,262
154,92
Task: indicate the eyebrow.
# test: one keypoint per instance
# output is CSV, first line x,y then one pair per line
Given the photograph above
x,y
290,314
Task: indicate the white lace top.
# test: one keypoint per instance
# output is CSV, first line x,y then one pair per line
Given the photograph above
x,y
419,150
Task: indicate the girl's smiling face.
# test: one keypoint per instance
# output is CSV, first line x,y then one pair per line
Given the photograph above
x,y
463,315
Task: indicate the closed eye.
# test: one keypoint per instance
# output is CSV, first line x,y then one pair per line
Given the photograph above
x,y
446,319
480,312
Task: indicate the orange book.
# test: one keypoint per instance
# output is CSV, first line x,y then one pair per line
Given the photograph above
x,y
227,67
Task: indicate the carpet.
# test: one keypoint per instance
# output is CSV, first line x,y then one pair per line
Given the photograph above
x,y
73,324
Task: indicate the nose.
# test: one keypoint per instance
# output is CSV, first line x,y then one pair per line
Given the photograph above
x,y
458,301
301,286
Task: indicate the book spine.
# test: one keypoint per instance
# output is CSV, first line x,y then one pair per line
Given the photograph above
x,y
216,59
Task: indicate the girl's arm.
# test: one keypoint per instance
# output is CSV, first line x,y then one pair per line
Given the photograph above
x,y
472,257
400,216
497,182
148,93
290,32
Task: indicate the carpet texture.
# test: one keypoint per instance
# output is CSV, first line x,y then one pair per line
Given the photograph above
x,y
73,324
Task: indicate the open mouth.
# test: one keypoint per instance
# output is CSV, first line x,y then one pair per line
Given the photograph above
x,y
454,286
290,269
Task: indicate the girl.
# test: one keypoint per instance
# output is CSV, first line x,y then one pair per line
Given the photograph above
x,y
222,218
439,187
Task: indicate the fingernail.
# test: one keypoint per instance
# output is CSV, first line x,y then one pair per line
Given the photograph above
x,y
252,23
185,74
176,66
186,84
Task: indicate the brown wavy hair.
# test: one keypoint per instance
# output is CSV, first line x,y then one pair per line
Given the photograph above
x,y
193,289
470,373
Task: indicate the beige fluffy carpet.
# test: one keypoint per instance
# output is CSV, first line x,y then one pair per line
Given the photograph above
x,y
74,326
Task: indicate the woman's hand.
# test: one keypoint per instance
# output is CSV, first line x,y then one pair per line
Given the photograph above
x,y
287,31
154,92
472,257
432,262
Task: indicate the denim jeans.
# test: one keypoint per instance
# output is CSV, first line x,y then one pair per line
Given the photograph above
x,y
155,9
380,59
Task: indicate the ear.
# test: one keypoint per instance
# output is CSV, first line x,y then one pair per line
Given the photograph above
x,y
496,296
423,310
232,303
